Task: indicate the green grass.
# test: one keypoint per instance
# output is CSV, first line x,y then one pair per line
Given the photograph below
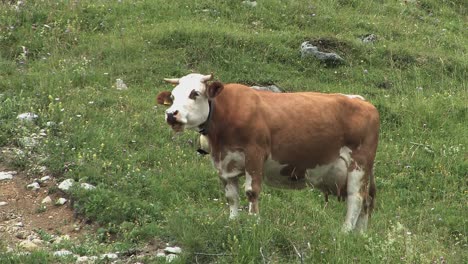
x,y
151,184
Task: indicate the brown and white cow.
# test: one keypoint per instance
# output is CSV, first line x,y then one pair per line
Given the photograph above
x,y
287,140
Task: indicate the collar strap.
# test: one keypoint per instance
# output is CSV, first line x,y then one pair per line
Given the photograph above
x,y
203,128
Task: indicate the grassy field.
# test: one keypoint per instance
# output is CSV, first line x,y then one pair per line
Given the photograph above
x,y
60,60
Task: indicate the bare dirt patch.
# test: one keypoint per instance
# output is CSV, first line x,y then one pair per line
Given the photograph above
x,y
23,214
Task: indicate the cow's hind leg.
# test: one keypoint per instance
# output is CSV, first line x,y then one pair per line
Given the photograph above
x,y
355,197
231,189
368,206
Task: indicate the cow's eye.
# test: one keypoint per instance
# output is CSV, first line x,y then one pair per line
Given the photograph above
x,y
172,97
194,94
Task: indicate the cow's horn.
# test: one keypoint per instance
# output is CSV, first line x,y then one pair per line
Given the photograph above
x,y
206,78
173,81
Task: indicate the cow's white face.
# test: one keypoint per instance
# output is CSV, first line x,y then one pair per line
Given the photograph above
x,y
189,101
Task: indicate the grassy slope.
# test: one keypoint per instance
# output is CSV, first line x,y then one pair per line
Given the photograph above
x,y
151,184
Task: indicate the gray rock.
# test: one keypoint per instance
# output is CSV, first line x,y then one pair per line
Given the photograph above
x,y
173,250
61,201
87,186
7,175
44,179
370,38
272,88
62,253
109,256
120,85
46,200
33,186
66,184
21,235
308,50
250,3
28,117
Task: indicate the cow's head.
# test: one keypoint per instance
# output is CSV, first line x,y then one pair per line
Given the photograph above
x,y
189,107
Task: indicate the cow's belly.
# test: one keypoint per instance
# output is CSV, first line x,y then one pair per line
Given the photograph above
x,y
329,178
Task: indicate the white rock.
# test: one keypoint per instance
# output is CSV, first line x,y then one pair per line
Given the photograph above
x,y
171,257
28,245
83,259
37,241
33,186
3,203
46,200
109,256
161,255
174,250
61,201
250,3
45,178
62,253
19,224
7,175
66,184
27,117
87,186
120,85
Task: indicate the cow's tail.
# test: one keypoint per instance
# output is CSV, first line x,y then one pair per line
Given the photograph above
x,y
372,193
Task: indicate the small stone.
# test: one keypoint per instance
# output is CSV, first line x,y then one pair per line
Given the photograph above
x,y
161,255
62,253
87,186
120,85
66,185
171,257
21,235
174,250
46,200
28,245
109,256
250,3
37,241
82,259
33,186
44,179
61,201
19,224
7,175
27,117
370,38
308,49
3,203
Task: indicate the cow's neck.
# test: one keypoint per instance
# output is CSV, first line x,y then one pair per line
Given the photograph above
x,y
203,128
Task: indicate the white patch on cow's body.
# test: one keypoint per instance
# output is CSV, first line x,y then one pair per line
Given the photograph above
x,y
236,157
354,96
354,198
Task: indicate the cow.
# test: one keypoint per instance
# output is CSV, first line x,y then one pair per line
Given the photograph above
x,y
287,140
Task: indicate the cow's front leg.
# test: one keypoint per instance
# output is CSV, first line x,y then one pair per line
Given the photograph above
x,y
231,189
253,180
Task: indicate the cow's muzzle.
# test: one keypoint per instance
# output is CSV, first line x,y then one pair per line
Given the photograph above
x,y
173,122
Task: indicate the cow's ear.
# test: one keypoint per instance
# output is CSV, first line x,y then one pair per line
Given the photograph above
x,y
164,98
213,89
